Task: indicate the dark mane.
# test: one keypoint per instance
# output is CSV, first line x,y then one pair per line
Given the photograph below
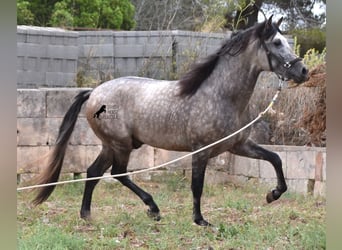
x,y
237,43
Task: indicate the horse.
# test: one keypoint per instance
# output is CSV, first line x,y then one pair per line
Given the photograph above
x,y
209,102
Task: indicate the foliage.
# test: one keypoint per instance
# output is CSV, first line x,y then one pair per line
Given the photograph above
x,y
313,38
24,14
313,58
242,14
61,16
109,14
243,219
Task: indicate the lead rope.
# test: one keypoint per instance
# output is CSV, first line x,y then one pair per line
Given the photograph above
x,y
261,114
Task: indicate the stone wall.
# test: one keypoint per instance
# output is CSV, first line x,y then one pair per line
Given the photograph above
x,y
40,112
46,57
53,57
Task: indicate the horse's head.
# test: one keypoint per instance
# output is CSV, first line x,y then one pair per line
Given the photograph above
x,y
281,58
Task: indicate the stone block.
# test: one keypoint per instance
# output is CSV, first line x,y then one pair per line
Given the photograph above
x,y
20,62
69,66
319,167
141,158
60,99
31,50
269,182
30,79
21,37
214,177
31,103
31,159
298,186
44,64
60,79
301,164
246,166
222,162
32,132
83,134
96,50
55,65
62,52
163,156
79,158
320,189
31,64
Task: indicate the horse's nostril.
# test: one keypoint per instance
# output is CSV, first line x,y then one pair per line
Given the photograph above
x,y
304,71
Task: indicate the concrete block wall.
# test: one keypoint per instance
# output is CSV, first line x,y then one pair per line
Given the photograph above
x,y
52,57
46,57
143,53
40,113
96,54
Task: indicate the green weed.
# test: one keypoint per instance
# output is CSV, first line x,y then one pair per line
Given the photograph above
x,y
242,219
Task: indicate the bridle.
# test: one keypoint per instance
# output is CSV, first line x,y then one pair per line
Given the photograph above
x,y
285,64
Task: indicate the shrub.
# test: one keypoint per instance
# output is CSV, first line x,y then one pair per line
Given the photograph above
x,y
310,39
24,14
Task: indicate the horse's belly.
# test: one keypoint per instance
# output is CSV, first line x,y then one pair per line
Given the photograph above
x,y
163,137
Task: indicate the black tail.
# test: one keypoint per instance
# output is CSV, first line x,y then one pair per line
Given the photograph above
x,y
51,173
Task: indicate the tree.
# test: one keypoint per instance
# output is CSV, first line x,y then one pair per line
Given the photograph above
x,y
242,14
299,13
61,16
110,14
24,14
42,10
169,14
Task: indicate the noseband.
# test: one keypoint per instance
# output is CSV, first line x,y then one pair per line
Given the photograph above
x,y
285,64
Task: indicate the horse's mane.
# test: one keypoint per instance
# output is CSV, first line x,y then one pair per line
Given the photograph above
x,y
233,46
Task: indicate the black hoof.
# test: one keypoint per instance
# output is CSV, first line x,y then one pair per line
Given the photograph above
x,y
203,223
273,195
154,215
85,215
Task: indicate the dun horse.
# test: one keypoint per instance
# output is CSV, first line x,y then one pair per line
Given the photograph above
x,y
206,104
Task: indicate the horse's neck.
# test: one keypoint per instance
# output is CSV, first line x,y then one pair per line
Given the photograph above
x,y
235,78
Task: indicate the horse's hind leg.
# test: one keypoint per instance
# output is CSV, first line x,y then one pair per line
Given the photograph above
x,y
252,150
120,167
99,166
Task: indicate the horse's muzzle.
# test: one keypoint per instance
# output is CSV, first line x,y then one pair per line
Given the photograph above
x,y
298,73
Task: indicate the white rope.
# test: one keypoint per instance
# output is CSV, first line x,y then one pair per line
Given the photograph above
x,y
166,163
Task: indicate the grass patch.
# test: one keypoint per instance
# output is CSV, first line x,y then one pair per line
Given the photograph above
x,y
241,217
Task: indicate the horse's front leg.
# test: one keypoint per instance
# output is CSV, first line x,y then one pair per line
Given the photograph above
x,y
252,150
199,163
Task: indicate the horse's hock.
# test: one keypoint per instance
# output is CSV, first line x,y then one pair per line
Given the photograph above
x,y
40,112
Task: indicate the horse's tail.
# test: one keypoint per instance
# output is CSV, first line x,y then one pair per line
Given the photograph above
x,y
52,171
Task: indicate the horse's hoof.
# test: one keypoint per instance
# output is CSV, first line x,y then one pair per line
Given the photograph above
x,y
85,215
269,197
154,215
272,196
203,223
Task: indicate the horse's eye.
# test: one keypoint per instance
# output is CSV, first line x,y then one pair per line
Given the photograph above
x,y
277,42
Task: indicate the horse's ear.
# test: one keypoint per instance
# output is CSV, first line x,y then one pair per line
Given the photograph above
x,y
279,22
269,23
